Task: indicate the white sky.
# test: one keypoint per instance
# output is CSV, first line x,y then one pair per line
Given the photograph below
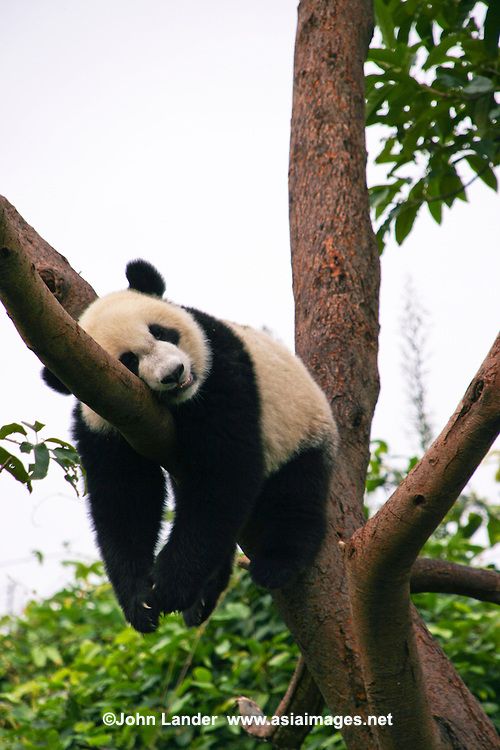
x,y
160,129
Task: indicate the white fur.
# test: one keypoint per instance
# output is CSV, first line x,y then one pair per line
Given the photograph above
x,y
119,323
295,412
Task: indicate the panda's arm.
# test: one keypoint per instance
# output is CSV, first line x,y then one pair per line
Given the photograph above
x,y
126,494
211,507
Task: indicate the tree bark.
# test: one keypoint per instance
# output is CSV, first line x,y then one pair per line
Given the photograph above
x,y
380,557
444,577
335,282
67,286
336,278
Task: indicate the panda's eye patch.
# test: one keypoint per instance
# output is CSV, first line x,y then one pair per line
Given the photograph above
x,y
164,334
131,362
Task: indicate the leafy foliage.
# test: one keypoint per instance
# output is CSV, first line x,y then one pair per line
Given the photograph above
x,y
40,452
436,71
71,658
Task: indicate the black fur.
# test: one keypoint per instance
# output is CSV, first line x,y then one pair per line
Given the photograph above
x,y
126,495
53,382
143,277
223,487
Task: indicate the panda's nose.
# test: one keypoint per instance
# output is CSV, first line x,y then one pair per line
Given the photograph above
x,y
174,376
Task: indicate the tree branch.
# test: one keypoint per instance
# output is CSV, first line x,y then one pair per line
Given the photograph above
x,y
82,365
422,500
302,697
380,556
67,286
444,577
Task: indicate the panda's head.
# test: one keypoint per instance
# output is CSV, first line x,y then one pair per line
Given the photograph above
x,y
158,341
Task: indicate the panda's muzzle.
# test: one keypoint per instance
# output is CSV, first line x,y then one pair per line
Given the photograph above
x,y
174,377
174,381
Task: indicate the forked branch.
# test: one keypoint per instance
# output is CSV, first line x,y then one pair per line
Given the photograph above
x,y
380,556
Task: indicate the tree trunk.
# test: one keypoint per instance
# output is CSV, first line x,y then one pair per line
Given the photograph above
x,y
336,284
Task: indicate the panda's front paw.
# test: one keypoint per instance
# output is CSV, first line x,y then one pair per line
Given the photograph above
x,y
167,596
141,610
206,602
199,611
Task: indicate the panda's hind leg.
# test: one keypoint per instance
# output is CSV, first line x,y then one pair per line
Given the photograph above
x,y
292,511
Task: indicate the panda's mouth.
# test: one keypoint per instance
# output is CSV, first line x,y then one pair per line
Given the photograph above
x,y
175,388
186,383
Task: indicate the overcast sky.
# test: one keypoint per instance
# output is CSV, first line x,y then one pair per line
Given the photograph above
x,y
160,129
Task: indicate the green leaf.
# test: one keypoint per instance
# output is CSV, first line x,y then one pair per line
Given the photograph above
x,y
494,530
424,29
451,187
279,659
99,740
60,442
9,429
473,523
481,110
39,656
483,170
376,54
386,156
65,457
373,103
479,85
385,22
54,655
404,221
404,31
26,447
39,469
378,194
446,80
438,54
38,555
492,29
494,113
36,427
15,467
436,210
486,147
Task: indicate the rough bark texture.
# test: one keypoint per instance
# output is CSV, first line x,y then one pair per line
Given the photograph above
x,y
421,501
336,277
380,557
335,281
444,577
67,286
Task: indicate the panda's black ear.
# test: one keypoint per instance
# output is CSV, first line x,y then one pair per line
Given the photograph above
x,y
53,382
143,277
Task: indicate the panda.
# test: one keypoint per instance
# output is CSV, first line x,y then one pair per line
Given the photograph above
x,y
256,439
